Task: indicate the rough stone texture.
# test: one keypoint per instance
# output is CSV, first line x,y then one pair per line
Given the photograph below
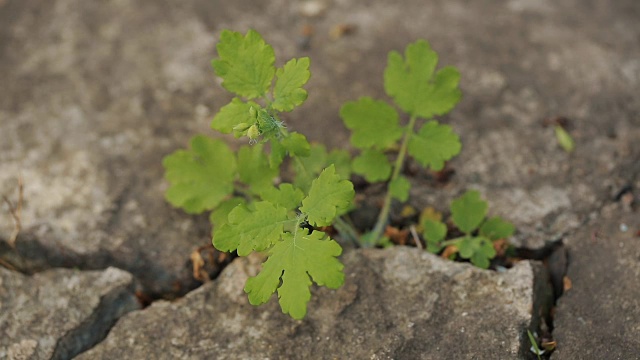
x,y
93,96
598,318
399,303
60,313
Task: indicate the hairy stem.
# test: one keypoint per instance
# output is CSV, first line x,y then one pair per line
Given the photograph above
x,y
376,234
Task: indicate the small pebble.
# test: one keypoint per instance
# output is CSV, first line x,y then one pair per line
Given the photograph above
x,y
624,227
312,8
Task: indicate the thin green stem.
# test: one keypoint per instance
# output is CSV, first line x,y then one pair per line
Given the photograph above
x,y
376,234
347,230
453,241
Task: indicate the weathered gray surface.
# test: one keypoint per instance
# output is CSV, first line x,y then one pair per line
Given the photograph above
x,y
60,313
94,94
598,317
400,303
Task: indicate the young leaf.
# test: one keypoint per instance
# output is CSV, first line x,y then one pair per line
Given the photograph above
x,y
287,196
278,152
468,211
399,188
297,144
373,123
478,249
329,196
413,86
201,177
341,159
434,232
254,169
249,231
434,144
291,262
234,113
269,125
245,64
496,228
307,168
288,91
218,217
564,139
373,165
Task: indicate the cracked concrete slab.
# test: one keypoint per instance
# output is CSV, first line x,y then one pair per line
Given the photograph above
x,y
60,313
398,303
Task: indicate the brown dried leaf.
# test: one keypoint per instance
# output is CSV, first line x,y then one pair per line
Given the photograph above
x,y
501,247
397,236
449,251
198,266
566,283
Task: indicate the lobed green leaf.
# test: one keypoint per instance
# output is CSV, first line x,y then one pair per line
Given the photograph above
x,y
309,167
434,144
288,92
329,196
234,113
374,123
245,63
286,196
219,216
414,87
296,144
291,265
248,231
477,249
468,211
201,177
254,168
373,165
497,228
434,232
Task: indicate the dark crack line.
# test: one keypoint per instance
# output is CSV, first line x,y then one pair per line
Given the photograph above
x,y
96,327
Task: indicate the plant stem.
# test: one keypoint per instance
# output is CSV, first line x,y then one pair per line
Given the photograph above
x,y
347,230
376,234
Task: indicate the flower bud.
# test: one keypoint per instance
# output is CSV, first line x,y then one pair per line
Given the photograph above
x,y
242,127
253,132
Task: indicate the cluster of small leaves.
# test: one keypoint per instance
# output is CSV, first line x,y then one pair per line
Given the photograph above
x,y
419,91
468,214
247,211
296,256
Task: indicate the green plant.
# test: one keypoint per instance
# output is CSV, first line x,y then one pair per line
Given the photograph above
x,y
468,215
419,91
534,345
250,214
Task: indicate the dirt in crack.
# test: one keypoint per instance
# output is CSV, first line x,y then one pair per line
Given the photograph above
x,y
555,257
